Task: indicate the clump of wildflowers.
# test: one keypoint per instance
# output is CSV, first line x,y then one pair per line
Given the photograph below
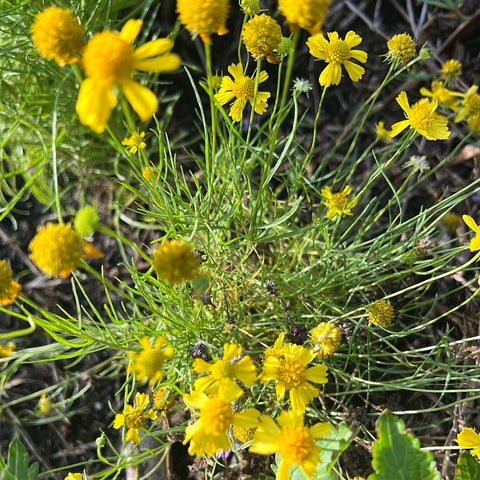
x,y
292,440
262,36
401,48
469,439
338,203
175,261
9,289
109,60
475,241
337,52
135,417
381,313
57,35
326,338
307,14
135,142
242,88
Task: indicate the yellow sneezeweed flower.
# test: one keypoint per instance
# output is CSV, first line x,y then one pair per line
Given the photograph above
x,y
57,249
383,133
475,241
292,440
208,435
134,417
242,88
473,122
74,476
337,52
326,338
175,261
470,104
148,363
7,349
468,438
250,7
162,399
149,173
381,313
262,36
225,370
86,221
243,434
204,18
451,70
401,48
135,142
290,373
277,349
109,60
9,289
44,405
423,118
307,14
57,35
338,203
441,94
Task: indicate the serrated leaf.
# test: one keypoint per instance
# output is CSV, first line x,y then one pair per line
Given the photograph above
x,y
468,467
397,454
17,463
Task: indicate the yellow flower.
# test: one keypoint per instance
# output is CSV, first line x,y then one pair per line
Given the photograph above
x,y
175,261
204,18
262,36
73,476
470,104
6,350
383,133
475,241
326,338
243,89
134,417
148,363
208,435
109,60
292,440
467,438
473,122
338,203
225,370
86,221
250,7
277,349
306,14
401,48
243,434
9,289
149,173
57,249
58,36
451,70
162,399
441,94
337,52
290,372
422,117
44,404
135,142
381,313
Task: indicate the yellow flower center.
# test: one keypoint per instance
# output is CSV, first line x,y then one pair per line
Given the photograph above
x,y
472,103
216,415
291,373
296,444
338,51
222,369
244,89
421,116
108,57
135,420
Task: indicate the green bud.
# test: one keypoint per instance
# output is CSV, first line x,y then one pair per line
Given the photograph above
x,y
86,221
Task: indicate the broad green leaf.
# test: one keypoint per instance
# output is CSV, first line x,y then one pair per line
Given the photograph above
x,y
397,454
468,467
17,463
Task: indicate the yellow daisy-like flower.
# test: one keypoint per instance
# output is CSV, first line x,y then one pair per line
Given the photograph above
x,y
423,118
337,52
149,173
242,88
451,70
44,405
262,36
109,60
292,440
470,104
7,349
57,35
307,14
468,438
134,417
204,18
175,261
290,373
473,122
441,94
381,313
9,289
475,241
135,142
74,476
401,48
208,435
148,363
225,370
326,338
57,249
383,133
338,203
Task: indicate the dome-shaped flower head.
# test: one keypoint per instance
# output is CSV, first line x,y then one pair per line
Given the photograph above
x,y
451,70
292,440
306,14
423,118
175,261
242,88
468,438
57,249
381,313
337,52
57,35
109,61
401,48
204,18
9,289
262,36
326,338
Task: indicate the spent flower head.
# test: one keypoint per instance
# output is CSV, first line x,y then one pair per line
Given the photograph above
x,y
338,203
57,35
135,142
401,48
9,289
109,61
326,338
306,14
302,85
469,439
475,241
292,440
261,36
451,70
418,164
381,313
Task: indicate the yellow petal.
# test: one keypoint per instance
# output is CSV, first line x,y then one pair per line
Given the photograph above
x,y
154,48
167,63
402,100
399,127
475,243
354,71
471,223
131,30
467,438
142,100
